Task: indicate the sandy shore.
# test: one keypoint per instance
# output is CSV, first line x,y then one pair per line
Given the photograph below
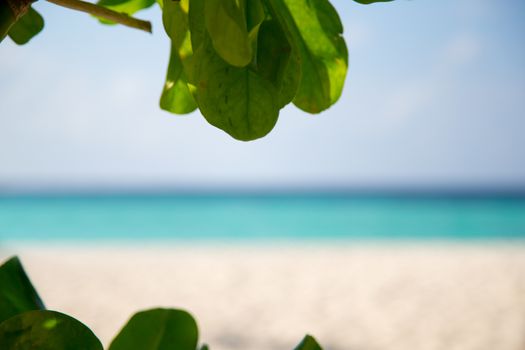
x,y
350,297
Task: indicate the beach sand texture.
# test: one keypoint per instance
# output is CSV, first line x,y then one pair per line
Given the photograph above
x,y
363,297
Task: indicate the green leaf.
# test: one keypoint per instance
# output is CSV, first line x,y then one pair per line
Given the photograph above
x,y
314,27
128,7
308,343
205,347
277,61
46,330
176,96
26,27
255,14
196,23
366,2
158,329
7,19
175,21
226,25
236,100
17,294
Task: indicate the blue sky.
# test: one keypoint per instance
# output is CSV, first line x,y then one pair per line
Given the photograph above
x,y
435,96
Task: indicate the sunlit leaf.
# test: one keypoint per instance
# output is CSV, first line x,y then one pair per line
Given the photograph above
x,y
46,330
315,29
308,343
26,27
128,7
226,25
176,96
17,294
158,329
175,20
236,100
366,2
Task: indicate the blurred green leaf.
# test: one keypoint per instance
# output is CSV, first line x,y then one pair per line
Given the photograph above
x,y
314,28
128,7
46,330
26,27
158,329
226,25
17,294
308,343
205,347
7,19
367,2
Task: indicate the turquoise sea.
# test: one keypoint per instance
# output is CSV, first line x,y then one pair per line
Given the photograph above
x,y
261,217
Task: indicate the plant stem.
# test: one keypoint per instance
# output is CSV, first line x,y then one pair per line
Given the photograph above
x,y
104,13
10,12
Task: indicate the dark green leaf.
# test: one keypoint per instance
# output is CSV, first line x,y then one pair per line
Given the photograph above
x,y
308,343
7,19
205,347
314,27
46,330
254,14
366,2
125,6
236,100
26,27
17,294
158,329
226,25
277,62
197,25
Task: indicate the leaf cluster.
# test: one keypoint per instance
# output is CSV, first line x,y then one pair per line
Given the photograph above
x,y
25,323
241,61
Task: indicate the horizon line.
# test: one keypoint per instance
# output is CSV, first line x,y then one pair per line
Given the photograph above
x,y
271,191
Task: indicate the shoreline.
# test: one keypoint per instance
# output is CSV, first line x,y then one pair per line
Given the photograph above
x,y
261,242
359,296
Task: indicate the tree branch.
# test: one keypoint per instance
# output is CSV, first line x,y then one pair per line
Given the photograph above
x,y
105,13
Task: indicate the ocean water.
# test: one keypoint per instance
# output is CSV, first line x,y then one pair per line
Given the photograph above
x,y
261,217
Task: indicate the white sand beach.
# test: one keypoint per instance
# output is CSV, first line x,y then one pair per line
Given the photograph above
x,y
363,297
